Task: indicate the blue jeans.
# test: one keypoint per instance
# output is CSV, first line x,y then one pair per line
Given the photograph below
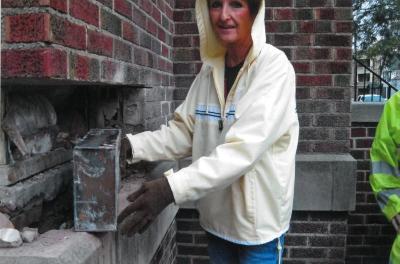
x,y
224,252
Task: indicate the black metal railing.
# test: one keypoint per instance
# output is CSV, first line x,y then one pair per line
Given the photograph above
x,y
369,90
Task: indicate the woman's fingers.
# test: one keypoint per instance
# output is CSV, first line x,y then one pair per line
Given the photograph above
x,y
133,196
138,226
130,209
132,222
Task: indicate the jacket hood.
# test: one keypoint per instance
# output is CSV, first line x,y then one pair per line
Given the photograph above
x,y
211,50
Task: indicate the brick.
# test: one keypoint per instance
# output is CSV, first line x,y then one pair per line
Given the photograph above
x,y
333,120
79,67
139,18
304,14
311,80
122,51
324,14
192,250
279,26
364,143
302,67
314,106
344,27
333,40
161,34
279,3
303,93
343,80
156,15
60,5
344,3
111,71
129,32
186,28
309,253
327,241
323,26
312,54
314,134
343,53
67,33
181,41
184,16
94,70
344,14
47,62
100,43
331,93
332,147
145,40
107,3
186,54
84,10
184,4
151,27
292,40
333,67
27,28
283,14
123,7
305,27
111,22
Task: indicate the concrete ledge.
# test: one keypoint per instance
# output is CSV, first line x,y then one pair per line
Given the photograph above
x,y
55,246
325,182
366,112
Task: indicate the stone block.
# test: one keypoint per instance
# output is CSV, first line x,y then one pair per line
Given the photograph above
x,y
325,182
366,112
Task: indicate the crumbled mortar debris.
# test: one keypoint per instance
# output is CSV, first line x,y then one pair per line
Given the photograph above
x,y
10,238
29,234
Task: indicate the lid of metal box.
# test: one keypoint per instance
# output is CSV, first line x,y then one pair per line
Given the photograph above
x,y
99,138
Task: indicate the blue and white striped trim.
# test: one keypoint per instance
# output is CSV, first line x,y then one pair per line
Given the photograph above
x,y
213,113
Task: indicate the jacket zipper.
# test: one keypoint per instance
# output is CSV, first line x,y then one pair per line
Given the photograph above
x,y
223,108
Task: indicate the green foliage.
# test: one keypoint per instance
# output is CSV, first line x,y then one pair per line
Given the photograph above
x,y
377,29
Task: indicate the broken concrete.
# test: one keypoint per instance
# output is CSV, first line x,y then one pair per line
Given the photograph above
x,y
5,221
20,170
10,238
46,185
29,234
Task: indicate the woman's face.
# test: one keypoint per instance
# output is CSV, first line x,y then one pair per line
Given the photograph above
x,y
231,21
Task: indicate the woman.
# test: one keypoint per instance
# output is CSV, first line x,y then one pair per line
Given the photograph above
x,y
239,123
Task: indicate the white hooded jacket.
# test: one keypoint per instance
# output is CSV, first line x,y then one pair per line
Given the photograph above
x,y
242,177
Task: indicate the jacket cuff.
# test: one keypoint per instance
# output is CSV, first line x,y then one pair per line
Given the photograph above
x,y
178,185
136,147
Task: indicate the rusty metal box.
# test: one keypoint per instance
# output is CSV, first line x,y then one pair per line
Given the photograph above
x,y
96,180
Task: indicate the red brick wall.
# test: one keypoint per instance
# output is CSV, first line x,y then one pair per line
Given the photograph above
x,y
89,40
370,236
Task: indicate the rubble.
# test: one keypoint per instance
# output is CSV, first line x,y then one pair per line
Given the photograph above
x,y
5,221
29,234
10,238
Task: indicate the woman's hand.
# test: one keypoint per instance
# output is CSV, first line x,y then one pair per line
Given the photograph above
x,y
146,205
